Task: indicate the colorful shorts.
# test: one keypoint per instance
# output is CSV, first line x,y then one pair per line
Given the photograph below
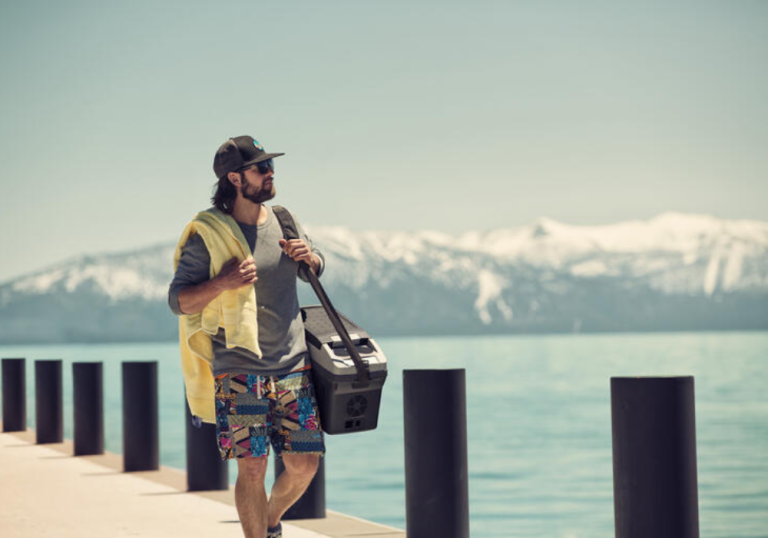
x,y
254,411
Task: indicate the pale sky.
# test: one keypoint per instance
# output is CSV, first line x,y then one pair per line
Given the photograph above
x,y
393,115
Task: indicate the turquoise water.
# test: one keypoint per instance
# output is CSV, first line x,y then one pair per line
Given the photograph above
x,y
539,426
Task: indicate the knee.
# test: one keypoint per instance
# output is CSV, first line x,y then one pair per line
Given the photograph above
x,y
252,468
302,465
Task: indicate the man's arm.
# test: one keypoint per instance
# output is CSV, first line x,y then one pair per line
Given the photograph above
x,y
316,259
233,275
314,263
192,299
191,289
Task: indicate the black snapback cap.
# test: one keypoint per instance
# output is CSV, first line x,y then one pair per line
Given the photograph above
x,y
237,153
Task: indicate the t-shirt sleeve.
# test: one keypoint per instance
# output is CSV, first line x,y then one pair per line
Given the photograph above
x,y
312,246
194,268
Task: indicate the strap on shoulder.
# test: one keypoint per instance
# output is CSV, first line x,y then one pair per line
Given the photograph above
x,y
286,222
290,232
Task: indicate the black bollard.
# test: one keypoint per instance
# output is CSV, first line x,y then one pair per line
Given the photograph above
x,y
436,484
88,396
141,446
654,457
205,468
311,505
14,395
49,401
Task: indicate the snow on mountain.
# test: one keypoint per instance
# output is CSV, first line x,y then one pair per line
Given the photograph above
x,y
543,276
676,252
118,276
551,243
720,253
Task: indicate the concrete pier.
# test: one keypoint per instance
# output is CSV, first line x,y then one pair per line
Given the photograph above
x,y
47,491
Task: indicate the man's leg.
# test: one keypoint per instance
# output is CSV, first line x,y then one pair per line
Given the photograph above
x,y
251,497
291,484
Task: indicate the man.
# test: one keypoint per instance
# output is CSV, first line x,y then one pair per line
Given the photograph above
x,y
232,260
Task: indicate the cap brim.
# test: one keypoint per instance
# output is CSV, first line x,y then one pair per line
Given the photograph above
x,y
262,158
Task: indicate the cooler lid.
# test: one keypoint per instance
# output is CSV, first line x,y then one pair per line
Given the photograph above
x,y
319,330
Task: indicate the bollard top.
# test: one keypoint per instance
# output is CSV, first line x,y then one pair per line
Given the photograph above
x,y
640,382
651,377
139,366
435,370
445,375
79,365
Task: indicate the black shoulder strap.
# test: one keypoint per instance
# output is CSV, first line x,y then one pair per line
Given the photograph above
x,y
286,222
290,232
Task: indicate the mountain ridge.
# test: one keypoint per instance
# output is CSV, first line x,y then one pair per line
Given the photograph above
x,y
675,270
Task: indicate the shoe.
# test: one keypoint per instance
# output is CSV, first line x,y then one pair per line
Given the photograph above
x,y
275,532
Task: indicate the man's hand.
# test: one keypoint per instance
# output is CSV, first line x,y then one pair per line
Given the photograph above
x,y
299,251
234,275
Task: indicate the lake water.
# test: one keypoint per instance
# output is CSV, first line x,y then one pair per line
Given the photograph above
x,y
539,426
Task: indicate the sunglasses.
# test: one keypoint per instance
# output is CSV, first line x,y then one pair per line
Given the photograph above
x,y
265,166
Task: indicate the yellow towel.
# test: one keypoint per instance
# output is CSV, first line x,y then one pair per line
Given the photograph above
x,y
235,310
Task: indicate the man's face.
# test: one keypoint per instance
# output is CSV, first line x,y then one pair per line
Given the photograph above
x,y
257,187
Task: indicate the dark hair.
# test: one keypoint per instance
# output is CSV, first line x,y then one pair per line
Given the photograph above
x,y
225,195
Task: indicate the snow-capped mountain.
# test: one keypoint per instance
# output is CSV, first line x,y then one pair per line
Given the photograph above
x,y
673,272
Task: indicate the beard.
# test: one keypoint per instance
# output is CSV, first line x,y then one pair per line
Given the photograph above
x,y
257,195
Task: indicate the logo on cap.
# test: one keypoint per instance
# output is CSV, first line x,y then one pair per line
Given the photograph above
x,y
258,146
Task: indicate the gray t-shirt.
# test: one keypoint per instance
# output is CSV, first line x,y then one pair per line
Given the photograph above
x,y
281,330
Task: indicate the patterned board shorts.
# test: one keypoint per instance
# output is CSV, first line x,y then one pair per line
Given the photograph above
x,y
253,411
